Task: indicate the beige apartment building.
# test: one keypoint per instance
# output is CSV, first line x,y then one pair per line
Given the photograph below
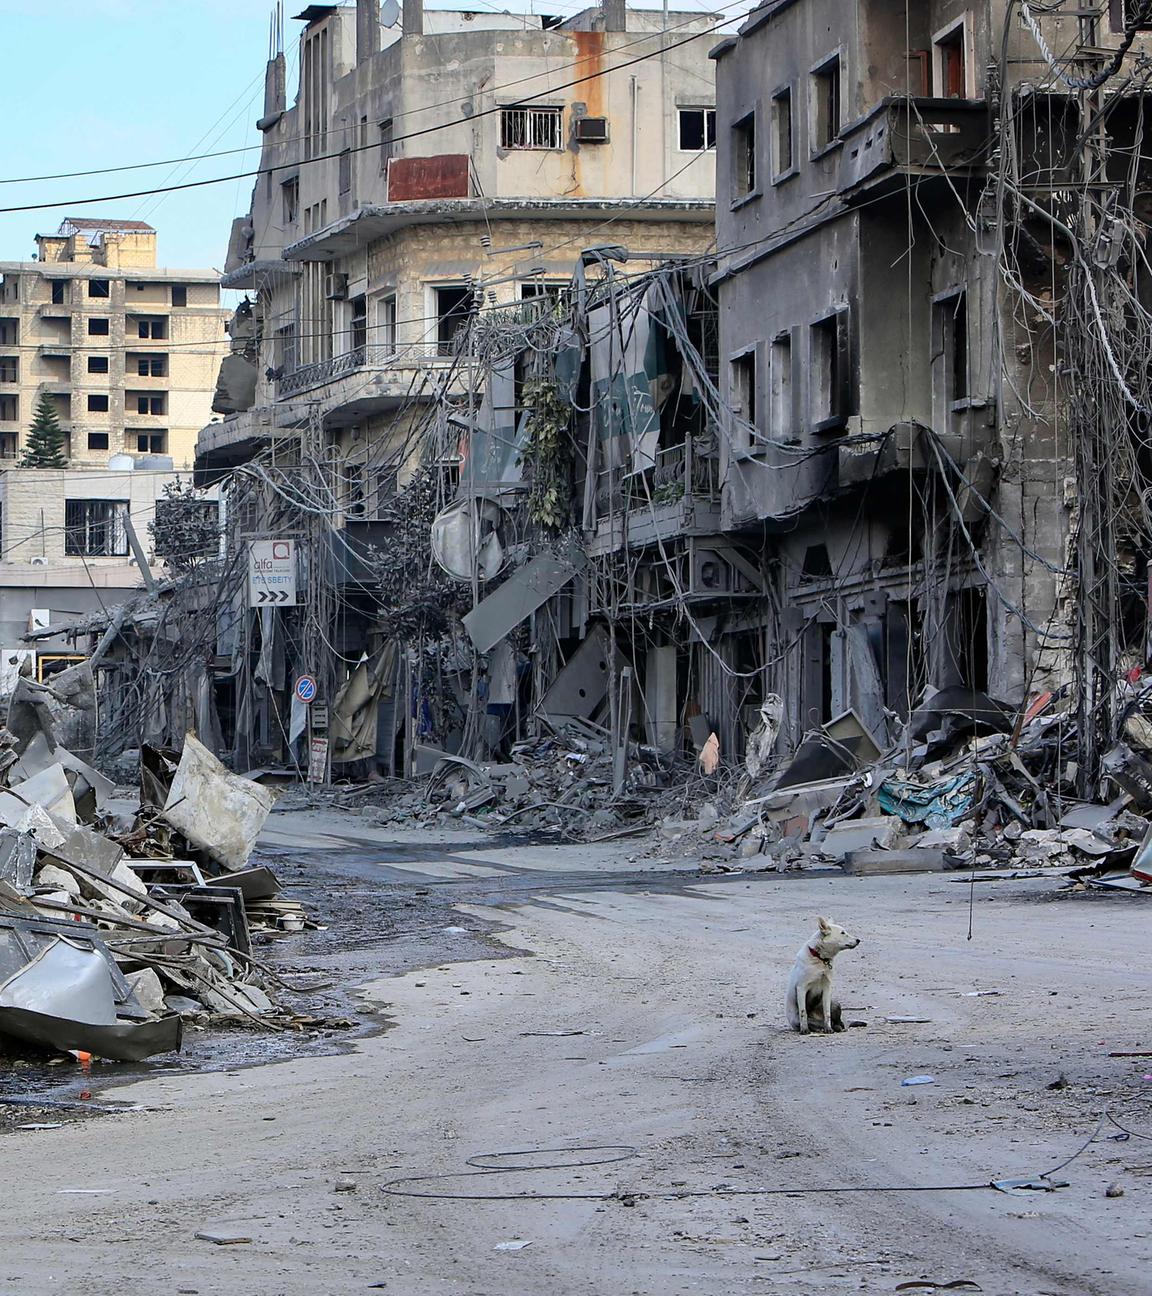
x,y
436,170
127,350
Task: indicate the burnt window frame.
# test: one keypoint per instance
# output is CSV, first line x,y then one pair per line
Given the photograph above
x,y
783,94
836,327
818,78
744,163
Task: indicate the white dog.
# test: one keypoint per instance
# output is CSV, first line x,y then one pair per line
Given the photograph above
x,y
810,1005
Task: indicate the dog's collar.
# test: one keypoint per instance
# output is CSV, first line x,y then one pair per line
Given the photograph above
x,y
817,955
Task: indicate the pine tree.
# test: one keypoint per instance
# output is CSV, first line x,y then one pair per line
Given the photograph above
x,y
45,445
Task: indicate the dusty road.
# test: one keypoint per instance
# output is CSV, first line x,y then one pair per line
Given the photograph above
x,y
640,1010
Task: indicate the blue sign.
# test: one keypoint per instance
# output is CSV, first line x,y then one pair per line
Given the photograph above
x,y
306,688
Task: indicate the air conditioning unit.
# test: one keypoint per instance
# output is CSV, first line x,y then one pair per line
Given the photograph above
x,y
591,130
336,287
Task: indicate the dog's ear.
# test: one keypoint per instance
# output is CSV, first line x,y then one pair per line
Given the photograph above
x,y
825,925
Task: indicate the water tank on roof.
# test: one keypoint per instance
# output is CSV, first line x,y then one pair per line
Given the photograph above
x,y
122,463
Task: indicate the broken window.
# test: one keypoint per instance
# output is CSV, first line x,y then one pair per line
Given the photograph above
x,y
951,348
8,369
98,364
354,483
385,143
98,328
151,443
344,171
744,402
59,289
783,161
780,376
96,528
744,157
152,327
386,323
532,289
826,103
455,307
951,81
290,200
359,323
697,129
148,404
97,440
531,128
98,403
99,288
832,396
179,294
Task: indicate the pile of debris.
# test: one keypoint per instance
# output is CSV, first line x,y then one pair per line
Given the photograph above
x,y
115,927
973,783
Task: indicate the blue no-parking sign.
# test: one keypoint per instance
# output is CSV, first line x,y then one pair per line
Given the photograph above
x,y
306,688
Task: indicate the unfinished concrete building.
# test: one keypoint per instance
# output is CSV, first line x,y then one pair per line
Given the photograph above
x,y
903,211
127,350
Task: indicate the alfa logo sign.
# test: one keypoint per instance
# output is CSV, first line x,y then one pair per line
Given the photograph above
x,y
272,573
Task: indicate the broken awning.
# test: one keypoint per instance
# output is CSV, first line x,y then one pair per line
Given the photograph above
x,y
528,588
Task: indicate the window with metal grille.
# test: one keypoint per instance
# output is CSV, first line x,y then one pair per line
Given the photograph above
x,y
96,528
531,128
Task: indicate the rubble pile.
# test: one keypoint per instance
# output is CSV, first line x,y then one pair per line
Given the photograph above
x,y
972,783
568,779
115,928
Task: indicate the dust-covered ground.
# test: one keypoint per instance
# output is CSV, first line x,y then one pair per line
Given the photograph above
x,y
541,998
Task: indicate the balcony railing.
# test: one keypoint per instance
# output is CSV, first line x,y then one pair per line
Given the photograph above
x,y
365,357
680,472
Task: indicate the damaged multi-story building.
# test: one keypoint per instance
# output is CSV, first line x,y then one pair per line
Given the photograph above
x,y
420,182
931,247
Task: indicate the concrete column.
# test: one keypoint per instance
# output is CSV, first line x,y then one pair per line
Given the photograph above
x,y
615,15
367,29
660,698
413,17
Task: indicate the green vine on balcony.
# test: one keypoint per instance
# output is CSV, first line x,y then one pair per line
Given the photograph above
x,y
547,454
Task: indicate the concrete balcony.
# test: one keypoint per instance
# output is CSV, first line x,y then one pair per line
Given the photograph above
x,y
367,380
679,496
368,224
912,137
238,437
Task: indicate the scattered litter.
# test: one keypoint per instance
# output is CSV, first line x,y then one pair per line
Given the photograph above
x,y
1029,1183
1114,1190
222,1239
903,1018
918,1080
927,1284
511,1246
42,1125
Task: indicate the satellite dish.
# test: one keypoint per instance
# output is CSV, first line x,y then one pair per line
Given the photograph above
x,y
390,13
466,539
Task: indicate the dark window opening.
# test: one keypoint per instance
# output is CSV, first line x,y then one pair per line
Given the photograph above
x,y
832,392
385,143
817,565
98,364
744,396
152,327
697,129
179,294
355,505
344,169
98,404
59,289
359,323
8,369
149,404
781,416
744,157
958,350
9,332
96,528
784,158
151,443
97,440
99,288
455,307
290,198
98,328
826,103
152,366
9,409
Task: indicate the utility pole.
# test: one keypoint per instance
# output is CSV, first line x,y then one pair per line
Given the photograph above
x,y
319,627
1094,430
